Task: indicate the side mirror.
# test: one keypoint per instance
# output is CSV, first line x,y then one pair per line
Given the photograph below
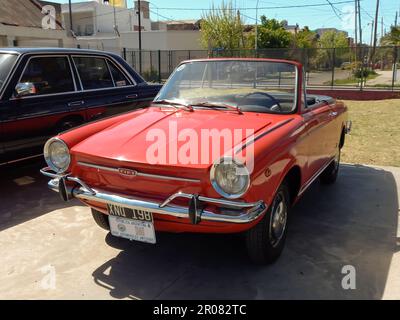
x,y
25,89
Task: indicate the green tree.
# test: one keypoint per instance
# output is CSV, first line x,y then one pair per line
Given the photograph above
x,y
333,39
272,34
222,28
305,38
392,38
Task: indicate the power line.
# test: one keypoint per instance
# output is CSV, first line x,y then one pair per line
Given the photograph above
x,y
235,9
263,8
334,9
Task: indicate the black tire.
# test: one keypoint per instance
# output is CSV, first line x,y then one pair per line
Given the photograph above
x,y
330,174
101,219
265,246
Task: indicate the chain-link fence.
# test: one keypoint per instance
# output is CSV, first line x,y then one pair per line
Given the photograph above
x,y
364,67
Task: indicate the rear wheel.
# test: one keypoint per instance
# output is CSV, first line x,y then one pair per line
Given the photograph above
x,y
330,174
101,219
265,241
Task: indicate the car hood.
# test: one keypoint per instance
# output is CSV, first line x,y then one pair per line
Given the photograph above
x,y
132,140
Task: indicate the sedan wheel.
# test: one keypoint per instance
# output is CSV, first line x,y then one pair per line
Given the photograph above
x,y
265,241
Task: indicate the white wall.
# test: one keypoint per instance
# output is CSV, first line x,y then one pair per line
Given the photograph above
x,y
102,17
163,40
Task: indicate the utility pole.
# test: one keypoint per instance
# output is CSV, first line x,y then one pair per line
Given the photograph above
x,y
375,30
359,21
115,19
355,24
140,35
395,19
115,16
256,40
372,33
71,24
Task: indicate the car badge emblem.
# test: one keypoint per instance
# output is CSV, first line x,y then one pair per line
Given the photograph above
x,y
128,172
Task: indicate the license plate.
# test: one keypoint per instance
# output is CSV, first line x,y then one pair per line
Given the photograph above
x,y
137,225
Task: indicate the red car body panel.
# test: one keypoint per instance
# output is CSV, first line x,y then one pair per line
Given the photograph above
x,y
304,142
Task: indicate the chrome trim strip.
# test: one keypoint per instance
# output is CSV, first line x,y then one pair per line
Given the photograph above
x,y
21,159
138,174
223,202
314,177
95,166
240,217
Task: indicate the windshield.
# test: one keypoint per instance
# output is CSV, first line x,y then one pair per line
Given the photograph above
x,y
6,63
253,86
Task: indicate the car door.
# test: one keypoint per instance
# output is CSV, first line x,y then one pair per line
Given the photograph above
x,y
106,89
37,113
318,122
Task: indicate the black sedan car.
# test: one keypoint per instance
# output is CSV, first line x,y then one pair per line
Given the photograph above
x,y
47,91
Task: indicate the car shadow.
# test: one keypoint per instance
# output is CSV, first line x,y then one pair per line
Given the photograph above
x,y
24,194
353,222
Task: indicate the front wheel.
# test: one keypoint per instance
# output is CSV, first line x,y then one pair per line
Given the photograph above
x,y
265,241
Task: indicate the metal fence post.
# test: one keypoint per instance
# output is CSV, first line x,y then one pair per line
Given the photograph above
x,y
362,70
140,62
333,67
394,66
169,61
159,66
124,53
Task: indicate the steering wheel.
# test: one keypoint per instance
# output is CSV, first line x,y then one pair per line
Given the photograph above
x,y
274,100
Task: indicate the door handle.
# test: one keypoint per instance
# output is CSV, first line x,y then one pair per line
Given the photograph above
x,y
132,96
76,104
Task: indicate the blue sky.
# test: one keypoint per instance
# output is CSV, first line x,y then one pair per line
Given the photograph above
x,y
314,17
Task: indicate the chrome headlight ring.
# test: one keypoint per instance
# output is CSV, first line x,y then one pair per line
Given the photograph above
x,y
57,155
227,169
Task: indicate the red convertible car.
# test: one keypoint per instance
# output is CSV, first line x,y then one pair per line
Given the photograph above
x,y
228,146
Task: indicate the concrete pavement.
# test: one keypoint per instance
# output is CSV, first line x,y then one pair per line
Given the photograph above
x,y
53,250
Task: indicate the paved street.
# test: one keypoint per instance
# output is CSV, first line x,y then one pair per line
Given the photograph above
x,y
353,223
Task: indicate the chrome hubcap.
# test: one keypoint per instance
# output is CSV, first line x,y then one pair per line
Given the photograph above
x,y
278,220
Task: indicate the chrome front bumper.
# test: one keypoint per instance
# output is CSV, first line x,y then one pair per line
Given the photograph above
x,y
233,212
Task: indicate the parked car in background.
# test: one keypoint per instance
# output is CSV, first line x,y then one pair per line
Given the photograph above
x,y
284,139
46,91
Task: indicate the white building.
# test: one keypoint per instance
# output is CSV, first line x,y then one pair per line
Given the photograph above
x,y
21,25
95,19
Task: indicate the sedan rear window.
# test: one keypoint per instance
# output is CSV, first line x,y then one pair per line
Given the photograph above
x,y
94,73
119,78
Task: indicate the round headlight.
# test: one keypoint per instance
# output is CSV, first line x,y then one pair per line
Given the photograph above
x,y
230,178
56,154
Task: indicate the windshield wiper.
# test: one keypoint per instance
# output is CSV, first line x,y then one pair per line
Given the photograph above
x,y
218,105
175,104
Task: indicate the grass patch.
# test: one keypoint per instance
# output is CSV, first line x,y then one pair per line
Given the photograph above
x,y
375,137
352,80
